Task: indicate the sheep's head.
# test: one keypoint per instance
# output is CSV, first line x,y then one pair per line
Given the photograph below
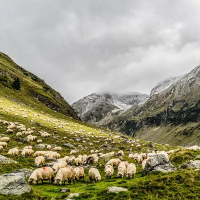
x,y
32,181
120,175
58,182
98,178
128,175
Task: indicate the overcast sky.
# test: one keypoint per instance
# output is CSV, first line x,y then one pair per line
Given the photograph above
x,y
83,46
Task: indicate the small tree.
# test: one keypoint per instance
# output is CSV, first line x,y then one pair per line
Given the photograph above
x,y
16,84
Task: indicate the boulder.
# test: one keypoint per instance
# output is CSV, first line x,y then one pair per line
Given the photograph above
x,y
159,163
117,189
190,164
26,172
69,145
5,160
13,183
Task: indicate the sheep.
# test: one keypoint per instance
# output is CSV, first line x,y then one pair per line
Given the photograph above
x,y
57,148
131,170
52,155
72,152
39,141
9,131
78,161
19,134
5,139
48,147
120,153
107,155
65,174
121,170
3,144
27,152
143,164
13,152
44,173
1,148
109,170
28,147
58,166
113,162
84,159
94,175
138,158
39,153
71,160
79,173
92,159
40,160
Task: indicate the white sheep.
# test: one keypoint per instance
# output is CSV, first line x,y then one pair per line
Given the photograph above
x,y
40,160
44,173
3,144
94,175
5,139
79,173
109,170
131,170
114,162
121,170
39,153
27,152
13,152
58,166
65,174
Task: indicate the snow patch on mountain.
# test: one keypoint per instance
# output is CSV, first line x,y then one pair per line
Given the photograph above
x,y
164,85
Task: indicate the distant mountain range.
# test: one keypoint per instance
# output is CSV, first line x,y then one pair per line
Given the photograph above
x,y
171,114
96,109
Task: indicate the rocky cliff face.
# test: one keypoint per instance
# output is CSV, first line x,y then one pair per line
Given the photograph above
x,y
97,109
177,105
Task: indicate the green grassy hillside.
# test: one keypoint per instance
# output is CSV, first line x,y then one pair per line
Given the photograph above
x,y
33,92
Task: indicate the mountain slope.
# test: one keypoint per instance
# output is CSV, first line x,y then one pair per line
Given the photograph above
x,y
99,108
176,108
32,88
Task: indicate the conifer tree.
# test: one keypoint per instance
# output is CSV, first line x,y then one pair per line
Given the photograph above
x,y
16,84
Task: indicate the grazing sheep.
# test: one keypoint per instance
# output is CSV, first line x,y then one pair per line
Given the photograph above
x,y
109,171
114,162
27,152
79,173
73,152
28,147
5,139
94,175
48,147
39,153
120,153
92,159
78,161
1,148
44,173
52,155
57,148
13,152
39,141
143,164
85,159
3,144
19,134
131,170
40,160
59,165
65,174
71,160
121,170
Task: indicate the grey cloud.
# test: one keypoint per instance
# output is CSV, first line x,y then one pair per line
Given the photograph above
x,y
86,46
